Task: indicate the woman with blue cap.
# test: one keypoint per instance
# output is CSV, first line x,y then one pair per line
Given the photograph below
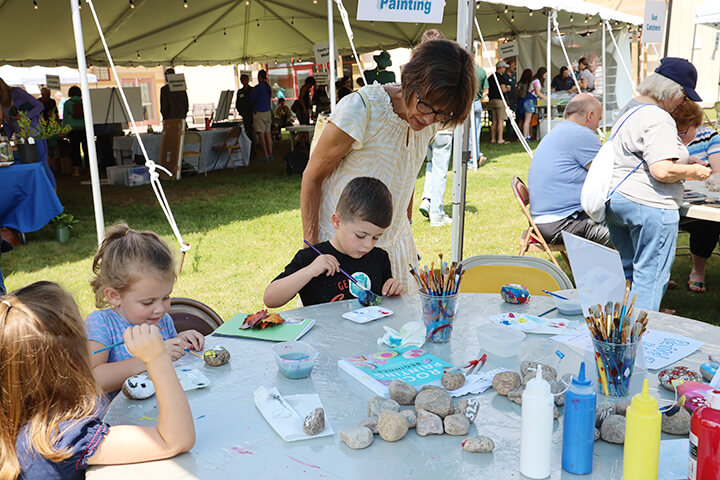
x,y
650,162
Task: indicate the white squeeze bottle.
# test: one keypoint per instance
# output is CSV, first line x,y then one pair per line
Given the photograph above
x,y
537,427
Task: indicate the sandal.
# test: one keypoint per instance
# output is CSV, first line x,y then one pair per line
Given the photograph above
x,y
697,287
504,142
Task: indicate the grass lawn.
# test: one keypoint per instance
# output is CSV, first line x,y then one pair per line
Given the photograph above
x,y
244,227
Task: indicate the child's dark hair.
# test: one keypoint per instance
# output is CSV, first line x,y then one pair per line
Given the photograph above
x,y
124,255
368,199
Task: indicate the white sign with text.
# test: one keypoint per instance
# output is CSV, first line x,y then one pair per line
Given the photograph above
x,y
654,22
322,53
411,11
52,82
176,81
321,78
508,49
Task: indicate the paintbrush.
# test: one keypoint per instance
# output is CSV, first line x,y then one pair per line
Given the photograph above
x,y
625,300
109,347
609,319
630,308
191,352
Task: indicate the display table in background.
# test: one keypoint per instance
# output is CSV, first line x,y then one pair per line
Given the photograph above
x,y
235,441
29,201
699,211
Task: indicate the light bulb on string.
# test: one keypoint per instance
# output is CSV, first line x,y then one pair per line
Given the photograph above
x,y
477,6
258,22
79,5
506,9
292,20
185,4
132,4
165,46
35,5
531,12
586,18
138,54
224,33
571,18
498,17
512,18
247,2
315,2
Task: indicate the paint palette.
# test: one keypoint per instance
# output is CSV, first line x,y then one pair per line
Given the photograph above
x,y
367,314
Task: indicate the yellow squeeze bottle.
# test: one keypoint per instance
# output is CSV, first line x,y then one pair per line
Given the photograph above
x,y
642,437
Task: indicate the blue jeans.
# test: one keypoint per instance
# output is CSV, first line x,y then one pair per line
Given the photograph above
x,y
645,238
477,106
438,155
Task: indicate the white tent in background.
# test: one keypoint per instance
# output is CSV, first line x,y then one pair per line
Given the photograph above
x,y
708,13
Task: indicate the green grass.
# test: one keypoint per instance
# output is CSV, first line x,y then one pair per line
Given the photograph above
x,y
244,227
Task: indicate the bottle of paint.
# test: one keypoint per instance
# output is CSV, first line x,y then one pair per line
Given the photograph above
x,y
705,439
579,425
642,437
537,426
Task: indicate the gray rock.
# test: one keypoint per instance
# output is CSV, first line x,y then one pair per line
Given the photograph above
x,y
392,426
604,409
469,407
556,412
527,370
555,388
428,424
503,382
515,395
315,422
597,434
678,424
377,404
434,400
621,407
613,429
410,417
479,444
356,437
567,378
453,380
402,392
456,424
370,423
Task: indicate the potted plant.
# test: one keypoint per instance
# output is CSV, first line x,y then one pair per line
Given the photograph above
x,y
27,135
63,224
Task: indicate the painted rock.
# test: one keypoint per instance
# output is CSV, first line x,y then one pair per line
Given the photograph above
x,y
138,387
377,404
514,293
392,426
315,422
434,400
667,376
503,382
428,424
356,437
410,417
402,392
216,356
469,407
479,444
677,424
613,429
456,424
597,434
708,369
603,410
453,380
370,423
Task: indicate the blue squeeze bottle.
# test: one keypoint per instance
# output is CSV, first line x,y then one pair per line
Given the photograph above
x,y
579,425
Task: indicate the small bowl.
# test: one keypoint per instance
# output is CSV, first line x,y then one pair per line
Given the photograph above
x,y
571,306
500,340
295,359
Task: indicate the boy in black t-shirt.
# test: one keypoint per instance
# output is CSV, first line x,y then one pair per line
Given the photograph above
x,y
363,212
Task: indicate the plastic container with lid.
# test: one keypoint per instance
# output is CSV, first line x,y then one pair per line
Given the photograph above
x,y
537,427
705,439
579,425
571,306
500,340
642,437
295,359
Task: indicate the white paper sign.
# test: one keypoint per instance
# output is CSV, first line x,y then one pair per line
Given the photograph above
x,y
52,82
508,49
411,11
176,81
322,53
321,78
654,22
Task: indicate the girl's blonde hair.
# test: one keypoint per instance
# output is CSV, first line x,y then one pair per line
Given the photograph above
x,y
45,370
124,255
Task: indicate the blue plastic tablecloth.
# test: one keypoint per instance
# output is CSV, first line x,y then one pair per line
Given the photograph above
x,y
27,200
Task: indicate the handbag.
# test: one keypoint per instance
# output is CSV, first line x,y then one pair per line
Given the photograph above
x,y
594,195
323,119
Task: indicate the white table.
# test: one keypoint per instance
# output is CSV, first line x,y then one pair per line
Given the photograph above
x,y
309,129
700,212
129,146
226,417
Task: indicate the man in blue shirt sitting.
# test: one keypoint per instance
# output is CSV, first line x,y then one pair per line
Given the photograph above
x,y
558,171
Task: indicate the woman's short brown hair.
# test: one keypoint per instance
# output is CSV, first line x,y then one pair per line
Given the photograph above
x,y
687,114
443,74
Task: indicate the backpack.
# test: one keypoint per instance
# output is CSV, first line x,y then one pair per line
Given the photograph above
x,y
594,195
77,110
295,162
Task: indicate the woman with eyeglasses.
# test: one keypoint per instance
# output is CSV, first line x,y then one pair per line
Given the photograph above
x,y
383,131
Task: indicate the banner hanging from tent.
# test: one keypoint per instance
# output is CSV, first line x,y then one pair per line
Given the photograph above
x,y
411,11
654,22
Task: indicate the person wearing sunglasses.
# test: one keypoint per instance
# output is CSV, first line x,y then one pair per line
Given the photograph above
x,y
383,131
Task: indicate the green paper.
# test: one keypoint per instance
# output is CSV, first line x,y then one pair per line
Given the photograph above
x,y
284,332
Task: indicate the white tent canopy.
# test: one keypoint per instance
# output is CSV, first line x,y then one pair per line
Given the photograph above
x,y
38,75
708,13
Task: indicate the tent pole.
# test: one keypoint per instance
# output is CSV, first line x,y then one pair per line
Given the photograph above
x,y
604,82
461,153
692,47
549,69
331,42
87,114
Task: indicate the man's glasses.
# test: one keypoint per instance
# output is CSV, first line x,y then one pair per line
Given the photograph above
x,y
425,109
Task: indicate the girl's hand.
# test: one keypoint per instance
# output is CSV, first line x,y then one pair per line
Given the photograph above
x,y
393,287
175,347
144,342
324,263
193,339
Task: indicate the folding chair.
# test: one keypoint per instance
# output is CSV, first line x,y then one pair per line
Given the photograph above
x,y
189,314
488,273
194,138
232,143
531,240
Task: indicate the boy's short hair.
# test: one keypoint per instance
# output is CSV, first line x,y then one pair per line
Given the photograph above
x,y
367,199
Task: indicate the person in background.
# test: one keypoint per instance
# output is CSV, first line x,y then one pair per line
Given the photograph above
x,y
529,101
321,100
49,105
380,73
496,105
14,100
482,94
562,81
360,82
586,75
262,118
73,116
343,87
703,144
651,162
558,170
244,106
511,96
303,107
283,114
173,105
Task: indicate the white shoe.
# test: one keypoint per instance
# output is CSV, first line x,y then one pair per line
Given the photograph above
x,y
425,207
441,221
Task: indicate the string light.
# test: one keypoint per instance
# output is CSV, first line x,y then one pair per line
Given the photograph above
x,y
531,12
132,4
185,4
194,39
512,18
498,17
315,2
258,22
79,5
138,53
247,2
35,5
477,6
506,9
571,18
276,61
292,20
224,32
586,18
165,46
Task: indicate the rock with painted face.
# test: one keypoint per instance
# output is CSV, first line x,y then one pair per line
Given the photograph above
x,y
138,387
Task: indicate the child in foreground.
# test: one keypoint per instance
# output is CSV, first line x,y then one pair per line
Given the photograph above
x,y
363,212
49,400
134,276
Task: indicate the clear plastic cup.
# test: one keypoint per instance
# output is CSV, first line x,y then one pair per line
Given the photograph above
x,y
614,363
438,313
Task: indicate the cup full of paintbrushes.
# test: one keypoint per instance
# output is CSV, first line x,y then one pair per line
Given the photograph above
x,y
616,335
438,290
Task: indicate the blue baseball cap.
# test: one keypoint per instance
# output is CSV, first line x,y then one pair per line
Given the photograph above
x,y
681,71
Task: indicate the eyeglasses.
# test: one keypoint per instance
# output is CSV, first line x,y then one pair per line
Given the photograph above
x,y
425,109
